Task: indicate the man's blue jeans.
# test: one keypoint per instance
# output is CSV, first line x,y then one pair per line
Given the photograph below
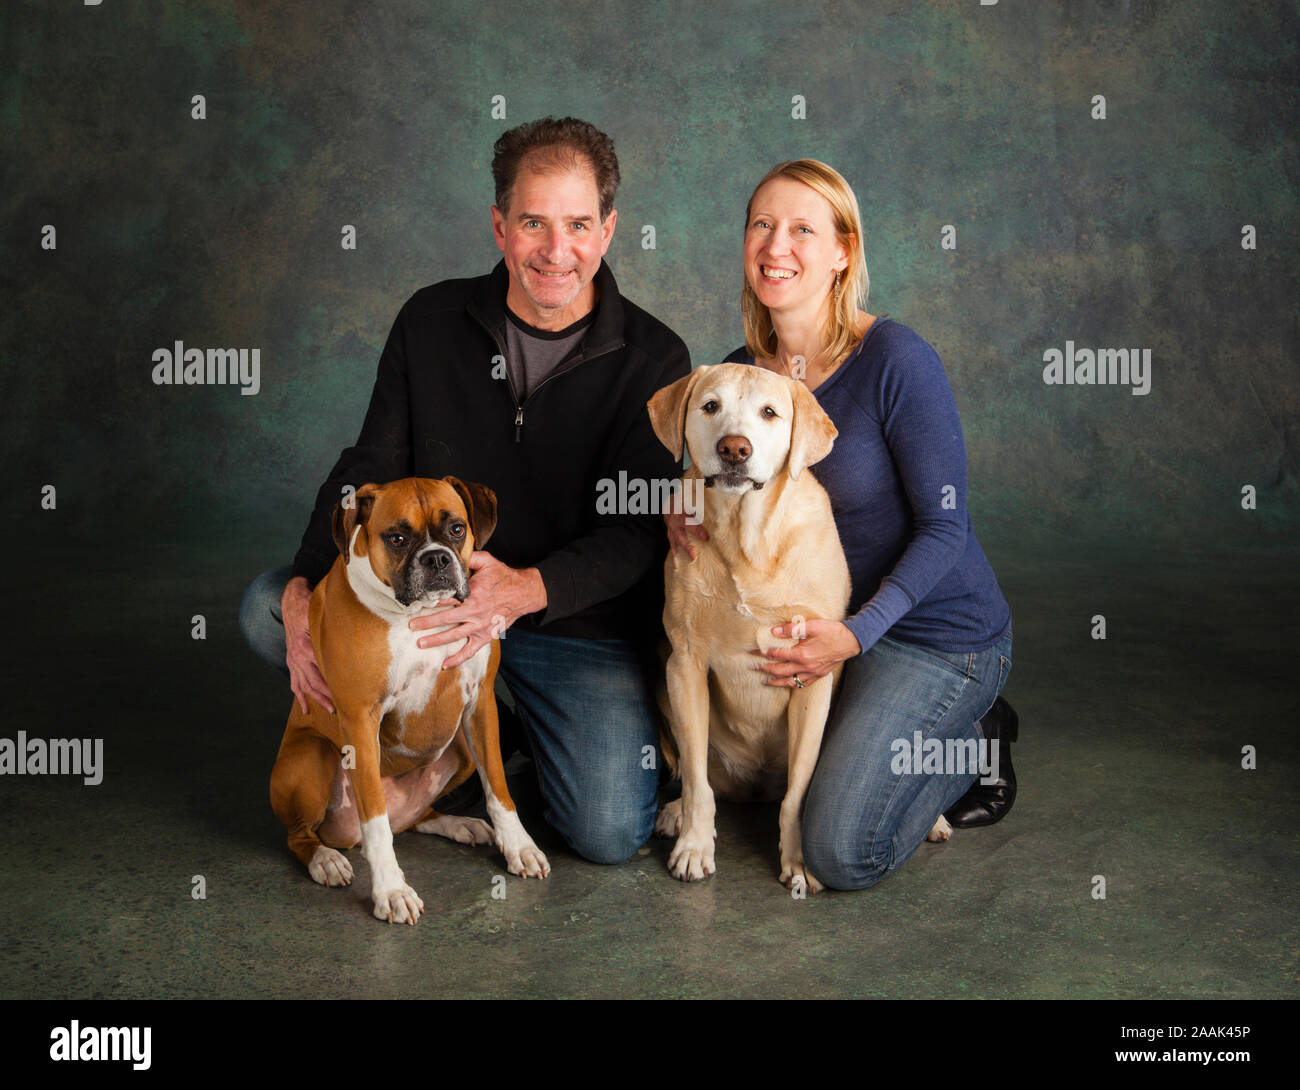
x,y
586,705
863,817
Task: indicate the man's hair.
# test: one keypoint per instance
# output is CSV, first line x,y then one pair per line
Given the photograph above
x,y
550,146
843,310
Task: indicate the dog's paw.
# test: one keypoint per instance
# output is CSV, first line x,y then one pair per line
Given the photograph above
x,y
330,867
669,821
797,878
941,831
463,830
523,857
527,861
692,858
400,905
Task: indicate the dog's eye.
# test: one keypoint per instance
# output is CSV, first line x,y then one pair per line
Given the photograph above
x,y
710,406
768,413
457,530
397,541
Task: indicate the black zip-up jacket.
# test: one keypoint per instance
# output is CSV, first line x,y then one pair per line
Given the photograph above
x,y
444,405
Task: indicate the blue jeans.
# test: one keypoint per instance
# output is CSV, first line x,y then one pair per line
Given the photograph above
x,y
868,806
587,707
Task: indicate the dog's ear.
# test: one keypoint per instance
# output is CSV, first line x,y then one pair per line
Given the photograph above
x,y
349,513
668,411
811,433
481,506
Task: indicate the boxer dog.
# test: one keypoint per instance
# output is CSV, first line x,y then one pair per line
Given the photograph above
x,y
772,557
406,732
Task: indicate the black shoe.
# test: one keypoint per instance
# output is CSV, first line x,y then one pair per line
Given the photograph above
x,y
986,803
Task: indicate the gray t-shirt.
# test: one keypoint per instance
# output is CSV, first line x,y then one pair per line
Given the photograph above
x,y
532,353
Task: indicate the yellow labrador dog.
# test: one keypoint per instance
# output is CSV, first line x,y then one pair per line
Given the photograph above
x,y
772,557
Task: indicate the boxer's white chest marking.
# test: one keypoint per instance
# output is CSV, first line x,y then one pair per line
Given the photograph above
x,y
412,670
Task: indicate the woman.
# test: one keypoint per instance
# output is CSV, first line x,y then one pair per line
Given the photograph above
x,y
927,645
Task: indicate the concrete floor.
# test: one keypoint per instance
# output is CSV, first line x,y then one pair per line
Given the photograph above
x,y
1129,764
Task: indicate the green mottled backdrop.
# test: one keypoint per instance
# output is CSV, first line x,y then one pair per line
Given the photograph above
x,y
1121,232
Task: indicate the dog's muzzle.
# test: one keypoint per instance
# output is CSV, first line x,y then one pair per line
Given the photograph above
x,y
732,480
431,575
733,451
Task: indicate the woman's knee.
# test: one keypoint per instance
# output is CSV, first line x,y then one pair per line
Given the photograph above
x,y
837,842
840,862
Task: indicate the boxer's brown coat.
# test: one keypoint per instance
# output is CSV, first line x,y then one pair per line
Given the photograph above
x,y
407,750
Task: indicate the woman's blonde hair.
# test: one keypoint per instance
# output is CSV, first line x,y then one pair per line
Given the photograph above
x,y
853,287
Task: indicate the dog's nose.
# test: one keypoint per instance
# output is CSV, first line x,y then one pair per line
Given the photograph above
x,y
734,448
437,559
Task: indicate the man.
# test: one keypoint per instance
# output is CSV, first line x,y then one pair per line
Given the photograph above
x,y
532,380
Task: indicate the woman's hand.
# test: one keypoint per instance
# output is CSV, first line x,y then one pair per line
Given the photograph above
x,y
822,646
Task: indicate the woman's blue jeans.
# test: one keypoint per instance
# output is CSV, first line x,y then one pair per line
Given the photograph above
x,y
874,796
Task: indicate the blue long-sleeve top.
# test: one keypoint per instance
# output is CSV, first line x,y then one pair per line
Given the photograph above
x,y
896,478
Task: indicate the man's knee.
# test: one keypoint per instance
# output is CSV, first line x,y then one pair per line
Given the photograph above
x,y
259,616
256,602
612,841
610,827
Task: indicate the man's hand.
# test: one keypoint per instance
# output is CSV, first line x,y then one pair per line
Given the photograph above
x,y
824,644
305,678
678,538
498,596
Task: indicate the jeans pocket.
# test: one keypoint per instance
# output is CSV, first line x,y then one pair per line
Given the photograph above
x,y
959,662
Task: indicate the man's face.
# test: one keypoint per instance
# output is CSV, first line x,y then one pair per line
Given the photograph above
x,y
552,239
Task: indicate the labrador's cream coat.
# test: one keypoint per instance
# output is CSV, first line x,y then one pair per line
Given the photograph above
x,y
772,557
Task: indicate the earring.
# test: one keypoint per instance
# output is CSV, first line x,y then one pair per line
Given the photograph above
x,y
837,283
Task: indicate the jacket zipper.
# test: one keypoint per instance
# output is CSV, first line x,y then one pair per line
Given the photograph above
x,y
573,366
510,382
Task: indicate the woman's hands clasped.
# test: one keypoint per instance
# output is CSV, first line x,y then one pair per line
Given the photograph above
x,y
823,645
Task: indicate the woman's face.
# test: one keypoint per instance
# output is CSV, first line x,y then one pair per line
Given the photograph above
x,y
791,251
